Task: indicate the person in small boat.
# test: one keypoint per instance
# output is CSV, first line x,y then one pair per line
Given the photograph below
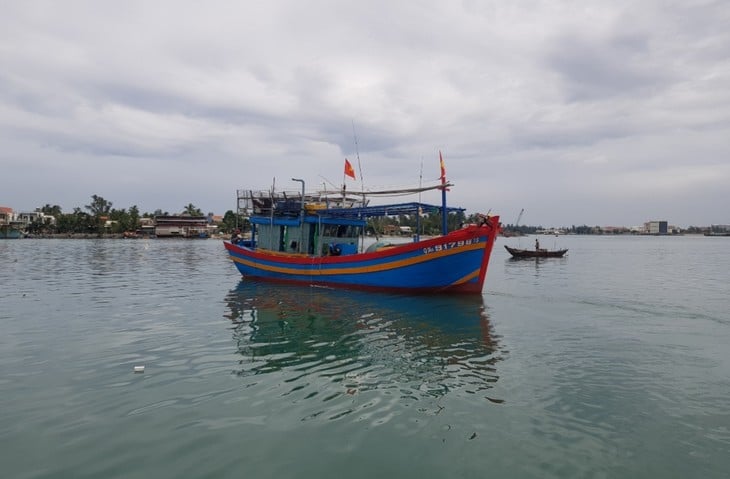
x,y
537,244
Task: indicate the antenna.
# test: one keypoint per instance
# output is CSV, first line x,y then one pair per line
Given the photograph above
x,y
334,186
359,166
419,226
420,180
357,154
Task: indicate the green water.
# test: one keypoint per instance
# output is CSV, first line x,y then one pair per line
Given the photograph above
x,y
611,362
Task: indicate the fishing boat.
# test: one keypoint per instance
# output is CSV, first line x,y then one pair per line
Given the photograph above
x,y
536,253
9,227
325,245
9,231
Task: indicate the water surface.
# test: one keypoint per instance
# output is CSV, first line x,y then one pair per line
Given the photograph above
x,y
610,362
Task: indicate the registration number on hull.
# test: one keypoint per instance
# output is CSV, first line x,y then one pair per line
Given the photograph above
x,y
450,245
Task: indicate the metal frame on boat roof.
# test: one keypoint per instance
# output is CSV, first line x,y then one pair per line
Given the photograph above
x,y
386,210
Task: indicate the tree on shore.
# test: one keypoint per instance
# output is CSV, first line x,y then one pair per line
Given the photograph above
x,y
99,206
77,222
100,209
231,222
192,210
94,216
54,210
134,218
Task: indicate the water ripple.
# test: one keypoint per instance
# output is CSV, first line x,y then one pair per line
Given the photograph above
x,y
610,363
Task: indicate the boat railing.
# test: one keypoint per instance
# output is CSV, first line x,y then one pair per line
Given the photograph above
x,y
289,203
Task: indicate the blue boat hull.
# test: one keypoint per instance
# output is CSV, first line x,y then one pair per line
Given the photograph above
x,y
455,263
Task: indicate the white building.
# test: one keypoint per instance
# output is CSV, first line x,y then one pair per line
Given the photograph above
x,y
36,216
656,227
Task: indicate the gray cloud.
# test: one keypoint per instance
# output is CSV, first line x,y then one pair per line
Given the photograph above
x,y
595,70
578,112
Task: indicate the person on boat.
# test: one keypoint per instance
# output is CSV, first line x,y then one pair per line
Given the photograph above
x,y
236,237
334,250
537,244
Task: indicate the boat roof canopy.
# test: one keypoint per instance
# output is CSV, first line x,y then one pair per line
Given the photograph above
x,y
311,219
386,210
352,215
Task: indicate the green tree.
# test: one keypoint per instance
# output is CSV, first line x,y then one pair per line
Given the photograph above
x,y
64,223
120,221
99,209
134,218
99,206
192,210
231,222
76,222
54,210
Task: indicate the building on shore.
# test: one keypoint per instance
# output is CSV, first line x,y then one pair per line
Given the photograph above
x,y
181,227
718,230
656,228
36,216
6,215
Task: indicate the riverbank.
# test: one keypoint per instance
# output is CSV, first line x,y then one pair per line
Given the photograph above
x,y
114,236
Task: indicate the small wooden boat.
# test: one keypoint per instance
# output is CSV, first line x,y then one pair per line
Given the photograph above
x,y
536,253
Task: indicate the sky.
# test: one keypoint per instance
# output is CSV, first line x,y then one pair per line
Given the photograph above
x,y
579,112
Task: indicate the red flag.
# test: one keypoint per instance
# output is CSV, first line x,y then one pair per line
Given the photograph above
x,y
349,170
443,168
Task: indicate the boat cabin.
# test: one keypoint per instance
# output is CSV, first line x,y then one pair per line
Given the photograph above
x,y
313,225
316,235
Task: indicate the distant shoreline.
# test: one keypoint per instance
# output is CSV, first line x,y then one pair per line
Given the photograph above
x,y
121,236
111,236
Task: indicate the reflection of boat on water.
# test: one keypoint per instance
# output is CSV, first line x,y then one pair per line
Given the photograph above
x,y
334,341
535,253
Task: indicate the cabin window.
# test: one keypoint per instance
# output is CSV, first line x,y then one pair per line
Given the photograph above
x,y
341,231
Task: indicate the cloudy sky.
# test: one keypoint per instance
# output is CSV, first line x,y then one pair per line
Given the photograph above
x,y
580,112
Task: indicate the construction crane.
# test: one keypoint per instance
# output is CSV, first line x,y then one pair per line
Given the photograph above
x,y
519,217
513,230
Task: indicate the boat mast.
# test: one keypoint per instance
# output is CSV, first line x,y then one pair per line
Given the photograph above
x,y
359,166
301,217
444,228
271,213
418,214
362,185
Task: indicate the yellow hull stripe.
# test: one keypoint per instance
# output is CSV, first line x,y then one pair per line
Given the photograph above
x,y
467,278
